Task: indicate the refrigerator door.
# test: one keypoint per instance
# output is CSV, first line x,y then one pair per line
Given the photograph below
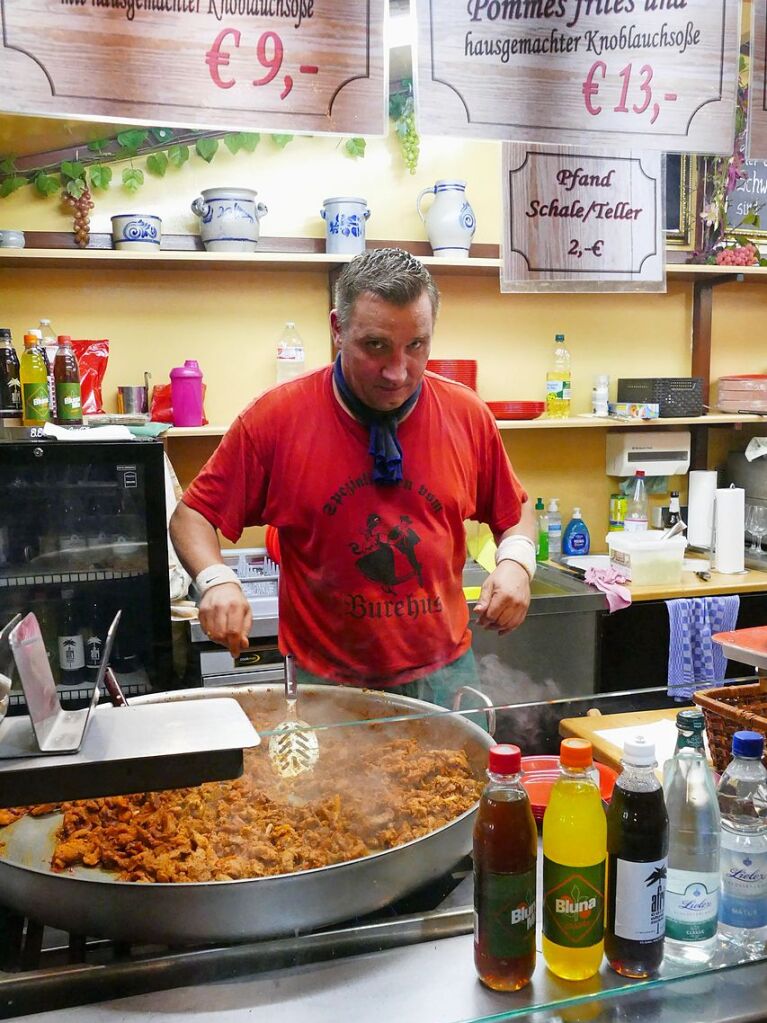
x,y
83,535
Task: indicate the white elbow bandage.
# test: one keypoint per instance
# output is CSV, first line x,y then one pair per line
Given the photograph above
x,y
215,575
520,549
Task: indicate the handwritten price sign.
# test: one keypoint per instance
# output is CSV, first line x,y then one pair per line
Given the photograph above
x,y
581,221
656,74
287,65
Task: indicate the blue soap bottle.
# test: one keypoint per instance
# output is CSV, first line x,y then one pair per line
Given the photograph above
x,y
575,539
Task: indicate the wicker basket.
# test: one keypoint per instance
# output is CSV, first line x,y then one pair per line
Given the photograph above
x,y
732,709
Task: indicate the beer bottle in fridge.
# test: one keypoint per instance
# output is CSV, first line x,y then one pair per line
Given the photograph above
x,y
10,385
70,642
94,644
505,855
637,860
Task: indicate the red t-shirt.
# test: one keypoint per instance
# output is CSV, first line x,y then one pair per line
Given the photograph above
x,y
370,575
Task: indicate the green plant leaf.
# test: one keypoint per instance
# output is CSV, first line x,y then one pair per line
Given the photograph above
x,y
163,135
741,239
281,140
178,155
133,138
133,179
47,184
8,165
355,147
11,184
206,148
99,145
157,164
100,176
233,142
75,187
71,170
250,140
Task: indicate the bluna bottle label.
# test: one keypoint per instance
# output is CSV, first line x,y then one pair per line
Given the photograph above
x,y
573,904
506,904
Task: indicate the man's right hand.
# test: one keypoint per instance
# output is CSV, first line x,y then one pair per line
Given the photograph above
x,y
225,616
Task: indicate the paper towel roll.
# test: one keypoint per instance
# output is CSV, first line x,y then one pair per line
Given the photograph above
x,y
700,508
729,529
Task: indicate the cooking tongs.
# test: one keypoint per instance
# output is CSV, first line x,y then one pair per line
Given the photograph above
x,y
293,746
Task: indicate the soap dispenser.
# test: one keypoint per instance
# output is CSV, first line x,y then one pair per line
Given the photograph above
x,y
575,539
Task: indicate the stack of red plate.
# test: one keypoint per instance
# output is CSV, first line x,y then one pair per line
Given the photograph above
x,y
540,773
462,370
516,409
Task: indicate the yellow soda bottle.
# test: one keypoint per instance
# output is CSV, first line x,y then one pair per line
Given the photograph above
x,y
574,854
33,372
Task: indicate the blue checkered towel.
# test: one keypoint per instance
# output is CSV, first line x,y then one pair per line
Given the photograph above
x,y
694,660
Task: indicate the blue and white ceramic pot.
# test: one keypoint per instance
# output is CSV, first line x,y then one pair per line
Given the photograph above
x,y
229,219
450,221
344,218
139,232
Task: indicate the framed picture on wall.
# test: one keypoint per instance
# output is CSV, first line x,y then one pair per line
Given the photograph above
x,y
681,200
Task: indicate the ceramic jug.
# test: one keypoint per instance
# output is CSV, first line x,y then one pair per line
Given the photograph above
x,y
229,219
344,218
450,222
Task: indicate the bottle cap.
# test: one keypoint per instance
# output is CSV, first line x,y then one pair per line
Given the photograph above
x,y
505,759
640,473
554,504
575,753
559,337
747,744
674,493
577,513
64,339
639,752
690,720
538,503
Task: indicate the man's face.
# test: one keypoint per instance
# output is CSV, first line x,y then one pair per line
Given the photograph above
x,y
384,349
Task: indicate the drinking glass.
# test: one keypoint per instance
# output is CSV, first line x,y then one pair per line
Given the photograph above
x,y
758,526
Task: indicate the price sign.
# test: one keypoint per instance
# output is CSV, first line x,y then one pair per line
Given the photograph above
x,y
272,65
756,144
581,221
655,74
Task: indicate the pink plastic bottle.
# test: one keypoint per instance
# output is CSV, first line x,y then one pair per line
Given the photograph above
x,y
186,394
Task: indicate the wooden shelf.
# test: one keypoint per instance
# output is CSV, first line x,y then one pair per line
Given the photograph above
x,y
572,423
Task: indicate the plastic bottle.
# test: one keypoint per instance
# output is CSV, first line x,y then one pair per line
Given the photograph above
x,y
10,384
742,797
541,532
505,855
36,408
600,395
555,528
290,354
69,411
692,885
674,511
70,643
637,858
576,539
558,381
50,346
186,394
636,507
574,851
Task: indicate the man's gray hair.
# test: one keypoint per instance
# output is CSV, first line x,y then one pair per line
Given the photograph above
x,y
391,274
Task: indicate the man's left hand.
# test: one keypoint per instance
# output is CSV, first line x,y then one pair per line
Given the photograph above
x,y
504,598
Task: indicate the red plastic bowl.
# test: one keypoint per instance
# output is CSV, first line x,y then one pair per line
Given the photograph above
x,y
540,773
516,409
464,371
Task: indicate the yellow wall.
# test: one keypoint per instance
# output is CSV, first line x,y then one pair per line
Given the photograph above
x,y
230,320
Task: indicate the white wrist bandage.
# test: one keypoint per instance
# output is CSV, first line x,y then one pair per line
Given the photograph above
x,y
215,575
520,549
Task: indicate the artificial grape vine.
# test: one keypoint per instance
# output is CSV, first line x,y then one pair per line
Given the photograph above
x,y
402,112
81,205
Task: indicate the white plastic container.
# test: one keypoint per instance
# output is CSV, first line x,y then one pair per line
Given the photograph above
x,y
645,559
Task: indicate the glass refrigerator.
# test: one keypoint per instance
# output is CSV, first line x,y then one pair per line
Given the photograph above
x,y
83,534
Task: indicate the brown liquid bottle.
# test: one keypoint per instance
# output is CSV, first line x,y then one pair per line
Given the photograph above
x,y
67,376
505,855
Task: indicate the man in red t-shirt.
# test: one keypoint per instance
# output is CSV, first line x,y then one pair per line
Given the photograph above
x,y
368,468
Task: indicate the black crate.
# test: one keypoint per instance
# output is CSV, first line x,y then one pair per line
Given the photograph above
x,y
676,396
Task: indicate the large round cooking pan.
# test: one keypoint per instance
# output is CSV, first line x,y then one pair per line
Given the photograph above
x,y
91,902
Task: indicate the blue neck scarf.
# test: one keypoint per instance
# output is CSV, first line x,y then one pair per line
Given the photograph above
x,y
384,444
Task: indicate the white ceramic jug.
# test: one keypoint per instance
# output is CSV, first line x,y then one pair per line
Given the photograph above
x,y
450,222
229,219
345,217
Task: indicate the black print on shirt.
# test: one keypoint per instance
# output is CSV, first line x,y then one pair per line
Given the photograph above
x,y
387,554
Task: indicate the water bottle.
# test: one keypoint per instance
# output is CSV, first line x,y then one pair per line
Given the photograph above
x,y
186,394
558,381
290,354
692,885
555,528
743,803
636,507
50,346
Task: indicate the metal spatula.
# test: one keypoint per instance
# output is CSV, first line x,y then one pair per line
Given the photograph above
x,y
293,747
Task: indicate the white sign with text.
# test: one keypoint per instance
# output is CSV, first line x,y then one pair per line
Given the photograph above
x,y
579,220
653,74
